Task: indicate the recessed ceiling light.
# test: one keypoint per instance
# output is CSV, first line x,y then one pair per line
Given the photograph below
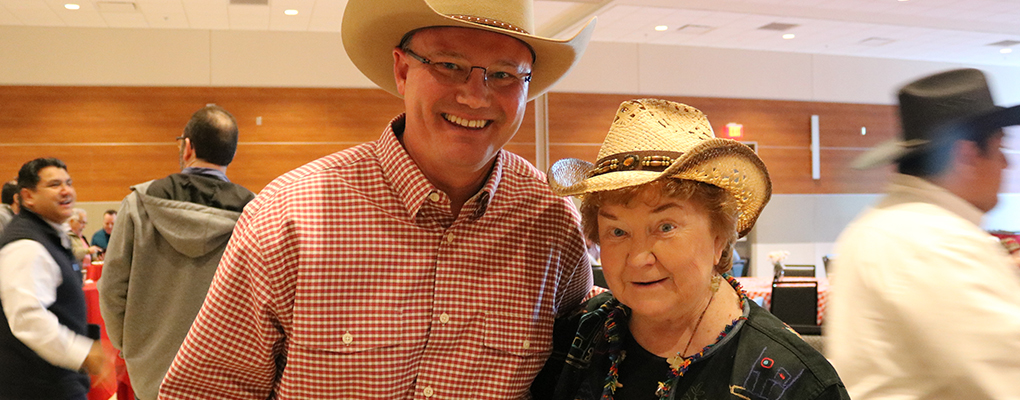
x,y
1006,51
70,6
789,36
661,28
290,12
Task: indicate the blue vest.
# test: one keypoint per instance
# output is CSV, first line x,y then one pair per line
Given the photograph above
x,y
23,374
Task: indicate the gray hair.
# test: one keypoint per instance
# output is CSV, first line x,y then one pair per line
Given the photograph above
x,y
78,214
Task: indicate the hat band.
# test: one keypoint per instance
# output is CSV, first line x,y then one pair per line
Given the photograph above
x,y
636,161
489,22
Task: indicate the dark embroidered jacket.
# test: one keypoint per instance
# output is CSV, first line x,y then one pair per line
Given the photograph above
x,y
760,359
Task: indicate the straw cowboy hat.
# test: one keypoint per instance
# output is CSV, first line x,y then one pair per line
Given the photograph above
x,y
652,139
947,106
372,28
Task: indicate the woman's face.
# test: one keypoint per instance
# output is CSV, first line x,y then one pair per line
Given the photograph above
x,y
658,253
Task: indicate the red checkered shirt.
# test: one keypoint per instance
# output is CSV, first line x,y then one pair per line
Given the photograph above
x,y
348,278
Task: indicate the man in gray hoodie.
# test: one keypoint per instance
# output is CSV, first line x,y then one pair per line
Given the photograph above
x,y
164,251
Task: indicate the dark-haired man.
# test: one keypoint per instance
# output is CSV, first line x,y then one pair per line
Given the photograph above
x,y
45,344
165,249
925,304
7,210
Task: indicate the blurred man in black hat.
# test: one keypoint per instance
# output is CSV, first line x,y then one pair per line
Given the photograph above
x,y
925,303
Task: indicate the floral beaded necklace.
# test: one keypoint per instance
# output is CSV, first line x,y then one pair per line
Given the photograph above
x,y
678,364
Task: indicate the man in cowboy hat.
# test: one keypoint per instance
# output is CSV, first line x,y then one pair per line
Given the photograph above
x,y
429,262
925,303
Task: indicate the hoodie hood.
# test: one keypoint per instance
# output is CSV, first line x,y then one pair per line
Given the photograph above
x,y
192,229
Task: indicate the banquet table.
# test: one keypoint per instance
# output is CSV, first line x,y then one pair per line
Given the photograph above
x,y
759,289
118,381
101,390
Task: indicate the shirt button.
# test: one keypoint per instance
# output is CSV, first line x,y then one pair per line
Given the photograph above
x,y
444,318
449,238
428,392
434,196
526,345
348,338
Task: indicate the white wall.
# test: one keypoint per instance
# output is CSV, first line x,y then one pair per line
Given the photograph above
x,y
178,57
805,225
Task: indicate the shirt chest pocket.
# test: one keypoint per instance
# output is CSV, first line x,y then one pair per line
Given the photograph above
x,y
347,328
518,336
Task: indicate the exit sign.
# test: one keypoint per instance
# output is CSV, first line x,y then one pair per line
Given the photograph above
x,y
734,130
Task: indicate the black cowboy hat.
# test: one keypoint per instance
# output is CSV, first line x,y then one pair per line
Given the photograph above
x,y
947,106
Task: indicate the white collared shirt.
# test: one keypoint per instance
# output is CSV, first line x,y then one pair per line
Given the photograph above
x,y
29,277
923,303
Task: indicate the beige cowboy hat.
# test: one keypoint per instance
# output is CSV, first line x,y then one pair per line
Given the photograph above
x,y
652,139
372,28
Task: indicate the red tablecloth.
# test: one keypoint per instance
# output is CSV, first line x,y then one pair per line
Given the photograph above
x,y
94,271
118,381
101,390
759,289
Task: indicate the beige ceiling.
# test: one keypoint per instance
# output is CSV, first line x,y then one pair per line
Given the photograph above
x,y
960,31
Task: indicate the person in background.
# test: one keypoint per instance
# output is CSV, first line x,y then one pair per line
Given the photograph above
x,y
430,263
46,347
7,203
666,201
79,246
924,304
167,244
101,238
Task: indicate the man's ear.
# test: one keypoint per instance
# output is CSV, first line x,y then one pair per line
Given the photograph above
x,y
189,150
26,197
966,155
400,67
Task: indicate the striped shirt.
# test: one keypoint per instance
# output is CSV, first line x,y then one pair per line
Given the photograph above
x,y
348,278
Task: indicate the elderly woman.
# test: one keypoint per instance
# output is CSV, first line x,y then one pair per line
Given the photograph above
x,y
666,201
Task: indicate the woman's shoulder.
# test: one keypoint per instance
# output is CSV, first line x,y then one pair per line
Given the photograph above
x,y
772,360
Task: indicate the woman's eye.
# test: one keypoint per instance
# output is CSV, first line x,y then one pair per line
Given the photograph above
x,y
617,232
666,227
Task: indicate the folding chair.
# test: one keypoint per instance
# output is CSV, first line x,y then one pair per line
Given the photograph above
x,y
796,304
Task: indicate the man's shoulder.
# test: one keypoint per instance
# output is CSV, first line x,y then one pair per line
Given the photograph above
x,y
520,175
911,222
351,160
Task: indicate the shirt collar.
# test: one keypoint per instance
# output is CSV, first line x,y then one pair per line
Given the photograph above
x,y
410,183
911,188
60,229
212,172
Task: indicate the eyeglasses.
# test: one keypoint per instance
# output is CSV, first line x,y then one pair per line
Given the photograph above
x,y
455,73
179,138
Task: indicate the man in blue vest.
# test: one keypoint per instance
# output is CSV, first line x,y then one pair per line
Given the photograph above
x,y
45,348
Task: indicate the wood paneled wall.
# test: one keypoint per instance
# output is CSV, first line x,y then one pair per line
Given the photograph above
x,y
114,137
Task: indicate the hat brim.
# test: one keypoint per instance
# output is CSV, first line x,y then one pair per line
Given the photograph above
x,y
895,150
372,29
725,163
